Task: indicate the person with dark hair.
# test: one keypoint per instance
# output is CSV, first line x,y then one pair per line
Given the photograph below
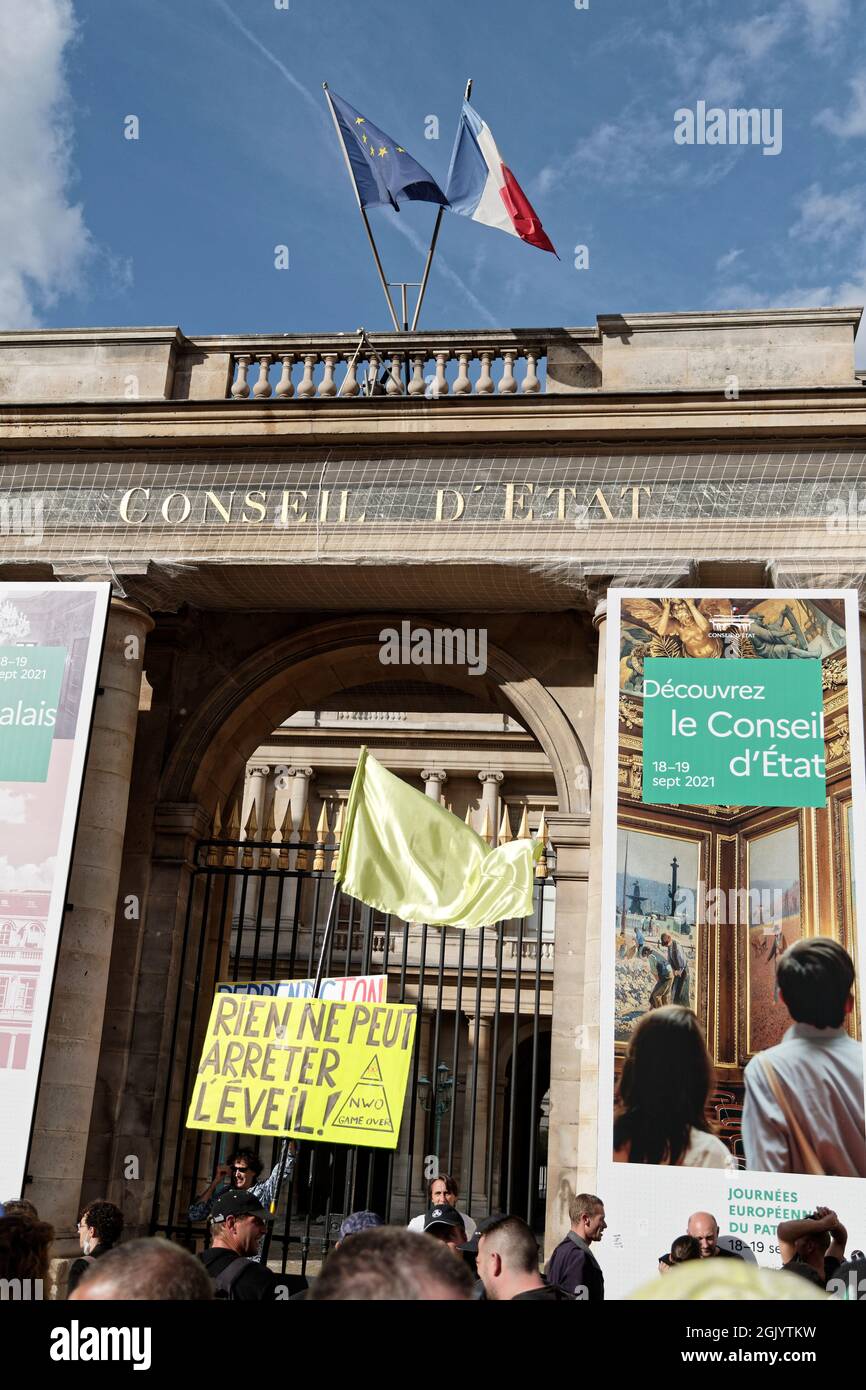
x,y
666,1080
508,1264
682,1249
803,1110
99,1229
241,1172
391,1265
147,1270
572,1267
813,1247
25,1248
442,1191
19,1206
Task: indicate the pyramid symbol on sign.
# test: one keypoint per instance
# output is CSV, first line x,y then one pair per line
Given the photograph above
x,y
366,1105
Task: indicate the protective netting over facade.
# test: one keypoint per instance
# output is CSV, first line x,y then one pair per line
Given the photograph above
x,y
558,517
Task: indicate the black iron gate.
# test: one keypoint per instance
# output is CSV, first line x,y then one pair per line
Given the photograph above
x,y
481,1067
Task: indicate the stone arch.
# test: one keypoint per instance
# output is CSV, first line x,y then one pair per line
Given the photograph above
x,y
311,665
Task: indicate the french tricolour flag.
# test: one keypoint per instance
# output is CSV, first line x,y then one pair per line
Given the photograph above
x,y
481,185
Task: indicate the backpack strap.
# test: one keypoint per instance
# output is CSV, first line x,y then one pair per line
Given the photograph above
x,y
811,1161
229,1276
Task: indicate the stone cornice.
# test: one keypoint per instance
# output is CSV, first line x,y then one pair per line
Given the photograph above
x,y
613,324
639,416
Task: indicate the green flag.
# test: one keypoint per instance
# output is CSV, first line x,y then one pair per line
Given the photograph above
x,y
403,853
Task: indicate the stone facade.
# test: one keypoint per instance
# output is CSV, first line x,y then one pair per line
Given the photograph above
x,y
262,519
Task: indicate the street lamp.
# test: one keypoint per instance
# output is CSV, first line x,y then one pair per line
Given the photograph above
x,y
436,1098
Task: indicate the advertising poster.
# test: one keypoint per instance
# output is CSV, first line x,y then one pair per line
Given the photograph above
x,y
730,1088
51,639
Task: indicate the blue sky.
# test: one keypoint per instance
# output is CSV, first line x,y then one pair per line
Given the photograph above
x,y
236,155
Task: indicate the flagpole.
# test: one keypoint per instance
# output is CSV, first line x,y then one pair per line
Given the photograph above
x,y
362,211
437,224
275,1200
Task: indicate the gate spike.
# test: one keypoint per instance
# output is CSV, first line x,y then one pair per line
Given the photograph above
x,y
338,833
523,829
285,835
233,832
213,852
322,832
542,835
249,837
303,859
468,816
486,832
505,827
268,831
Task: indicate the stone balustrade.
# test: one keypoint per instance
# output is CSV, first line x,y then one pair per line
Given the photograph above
x,y
417,365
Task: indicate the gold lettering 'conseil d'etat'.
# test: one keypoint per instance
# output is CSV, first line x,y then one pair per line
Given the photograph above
x,y
284,507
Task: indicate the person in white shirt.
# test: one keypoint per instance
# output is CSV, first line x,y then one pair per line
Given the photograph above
x,y
803,1111
667,1076
441,1191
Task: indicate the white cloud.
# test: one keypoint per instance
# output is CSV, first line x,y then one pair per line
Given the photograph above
x,y
27,878
824,19
638,149
853,121
829,217
44,243
728,259
758,36
13,808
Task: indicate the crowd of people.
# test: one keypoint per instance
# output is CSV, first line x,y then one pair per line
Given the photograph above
x,y
443,1254
803,1112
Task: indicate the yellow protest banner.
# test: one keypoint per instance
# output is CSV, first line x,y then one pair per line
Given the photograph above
x,y
316,1069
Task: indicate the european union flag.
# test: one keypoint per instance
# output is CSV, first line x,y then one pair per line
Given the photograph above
x,y
382,170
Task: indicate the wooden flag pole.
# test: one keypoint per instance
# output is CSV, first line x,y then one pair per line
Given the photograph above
x,y
437,224
362,211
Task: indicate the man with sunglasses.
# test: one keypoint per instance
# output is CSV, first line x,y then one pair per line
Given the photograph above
x,y
241,1174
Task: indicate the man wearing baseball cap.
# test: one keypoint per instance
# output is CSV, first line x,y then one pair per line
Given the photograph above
x,y
237,1224
445,1223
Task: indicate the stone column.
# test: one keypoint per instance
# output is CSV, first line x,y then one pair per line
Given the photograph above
x,y
256,794
476,1200
490,784
434,780
66,1090
301,777
573,1133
